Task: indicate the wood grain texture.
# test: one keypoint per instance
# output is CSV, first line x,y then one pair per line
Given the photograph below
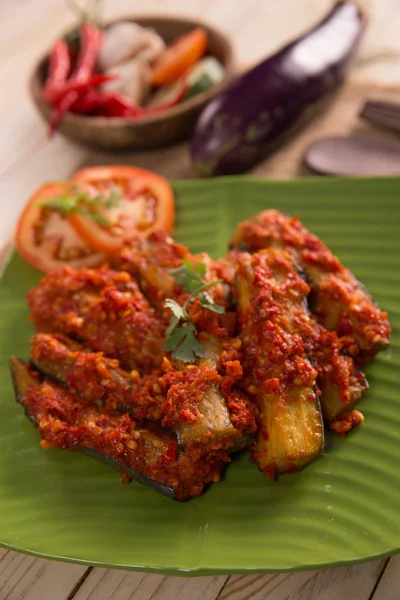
x,y
342,583
388,587
29,578
104,584
27,159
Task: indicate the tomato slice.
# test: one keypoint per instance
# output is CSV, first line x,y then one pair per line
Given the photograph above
x,y
179,57
145,203
47,240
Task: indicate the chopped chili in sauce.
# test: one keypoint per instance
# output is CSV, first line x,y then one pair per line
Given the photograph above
x,y
267,361
338,300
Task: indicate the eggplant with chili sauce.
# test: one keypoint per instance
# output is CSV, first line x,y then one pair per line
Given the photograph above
x,y
99,381
337,299
272,316
148,454
341,384
95,378
102,308
223,412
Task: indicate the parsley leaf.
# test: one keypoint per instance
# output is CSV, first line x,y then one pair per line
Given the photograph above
x,y
177,310
206,301
80,201
181,334
189,276
178,314
184,343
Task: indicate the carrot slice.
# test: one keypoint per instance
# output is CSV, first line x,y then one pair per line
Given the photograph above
x,y
179,57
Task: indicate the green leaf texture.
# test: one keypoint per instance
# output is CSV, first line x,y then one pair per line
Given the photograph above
x,y
345,507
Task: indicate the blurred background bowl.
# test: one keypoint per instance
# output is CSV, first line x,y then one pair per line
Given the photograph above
x,y
151,131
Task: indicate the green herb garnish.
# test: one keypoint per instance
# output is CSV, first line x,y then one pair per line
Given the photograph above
x,y
181,334
80,201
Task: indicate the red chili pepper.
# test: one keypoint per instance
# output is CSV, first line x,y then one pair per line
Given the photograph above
x,y
91,38
73,54
60,109
107,105
79,100
53,94
88,102
59,67
60,63
117,105
82,79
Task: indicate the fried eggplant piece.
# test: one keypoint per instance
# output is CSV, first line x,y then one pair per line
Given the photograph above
x,y
150,260
168,398
339,301
102,308
218,406
204,403
96,379
341,384
149,454
339,381
273,316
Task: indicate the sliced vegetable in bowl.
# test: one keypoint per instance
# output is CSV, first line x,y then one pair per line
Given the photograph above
x,y
112,73
116,114
179,56
203,75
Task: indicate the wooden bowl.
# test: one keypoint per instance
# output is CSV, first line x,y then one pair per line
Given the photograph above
x,y
150,131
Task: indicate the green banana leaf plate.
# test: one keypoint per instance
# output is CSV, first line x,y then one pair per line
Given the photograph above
x,y
343,508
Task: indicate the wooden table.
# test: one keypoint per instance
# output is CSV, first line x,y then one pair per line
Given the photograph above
x,y
27,159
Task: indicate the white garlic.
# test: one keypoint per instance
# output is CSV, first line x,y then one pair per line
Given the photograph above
x,y
126,40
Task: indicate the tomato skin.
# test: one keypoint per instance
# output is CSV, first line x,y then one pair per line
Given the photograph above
x,y
99,238
36,256
179,57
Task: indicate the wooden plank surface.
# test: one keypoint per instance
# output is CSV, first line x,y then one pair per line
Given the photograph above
x,y
104,584
30,578
388,586
341,583
27,159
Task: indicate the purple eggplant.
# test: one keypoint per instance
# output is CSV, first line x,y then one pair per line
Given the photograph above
x,y
245,122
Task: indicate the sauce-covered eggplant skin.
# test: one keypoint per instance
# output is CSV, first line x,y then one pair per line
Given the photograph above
x,y
27,388
98,381
243,123
273,317
147,453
